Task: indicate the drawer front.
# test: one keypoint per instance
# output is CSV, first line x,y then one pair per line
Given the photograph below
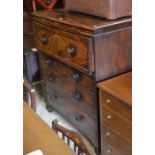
x,y
117,123
66,47
107,149
82,121
115,140
116,105
82,100
48,65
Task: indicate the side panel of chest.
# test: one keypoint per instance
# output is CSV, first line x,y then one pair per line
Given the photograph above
x,y
113,53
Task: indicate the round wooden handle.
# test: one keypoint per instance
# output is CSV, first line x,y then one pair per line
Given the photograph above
x,y
109,151
44,39
71,51
109,117
48,61
77,97
76,76
47,2
53,97
78,116
50,79
107,134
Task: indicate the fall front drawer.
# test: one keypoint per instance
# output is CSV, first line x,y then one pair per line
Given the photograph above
x,y
116,115
67,47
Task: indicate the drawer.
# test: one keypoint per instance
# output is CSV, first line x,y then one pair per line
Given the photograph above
x,y
117,123
82,100
116,105
67,47
82,121
48,65
108,149
115,140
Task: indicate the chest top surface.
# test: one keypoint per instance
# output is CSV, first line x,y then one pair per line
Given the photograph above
x,y
120,87
79,22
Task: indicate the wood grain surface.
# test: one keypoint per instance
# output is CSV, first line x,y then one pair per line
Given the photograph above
x,y
38,135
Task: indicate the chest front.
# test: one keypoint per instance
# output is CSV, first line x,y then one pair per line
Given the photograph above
x,y
77,51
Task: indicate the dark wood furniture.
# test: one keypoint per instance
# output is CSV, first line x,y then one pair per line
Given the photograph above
x,y
29,94
76,51
80,145
116,115
38,135
110,9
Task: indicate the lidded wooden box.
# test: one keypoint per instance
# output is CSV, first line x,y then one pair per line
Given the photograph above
x,y
110,9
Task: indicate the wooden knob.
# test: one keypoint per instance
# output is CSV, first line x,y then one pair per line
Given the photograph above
x,y
48,61
60,18
71,51
109,151
109,117
50,79
77,97
76,76
54,97
78,116
107,134
108,101
47,2
44,39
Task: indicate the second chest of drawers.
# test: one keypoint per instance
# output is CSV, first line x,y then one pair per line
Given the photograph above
x,y
116,115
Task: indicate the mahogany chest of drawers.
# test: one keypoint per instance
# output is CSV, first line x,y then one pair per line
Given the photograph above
x,y
116,115
77,51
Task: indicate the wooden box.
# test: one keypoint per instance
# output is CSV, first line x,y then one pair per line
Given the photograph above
x,y
110,9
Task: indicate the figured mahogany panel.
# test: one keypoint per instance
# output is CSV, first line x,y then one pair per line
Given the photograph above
x,y
66,47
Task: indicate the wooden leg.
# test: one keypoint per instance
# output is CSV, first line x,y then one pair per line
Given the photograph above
x,y
49,108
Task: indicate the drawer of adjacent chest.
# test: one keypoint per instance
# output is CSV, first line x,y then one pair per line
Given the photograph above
x,y
49,65
119,124
107,149
66,47
83,122
116,105
115,140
